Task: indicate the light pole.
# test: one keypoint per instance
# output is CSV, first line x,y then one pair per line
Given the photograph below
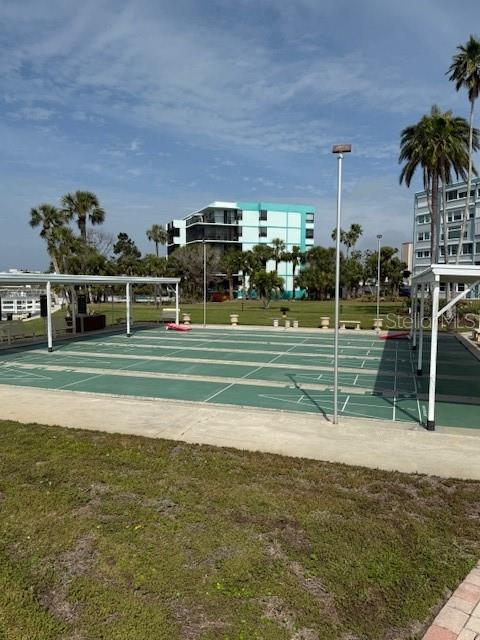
x,y
379,237
204,283
338,150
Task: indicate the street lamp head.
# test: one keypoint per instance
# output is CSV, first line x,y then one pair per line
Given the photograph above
x,y
341,148
379,236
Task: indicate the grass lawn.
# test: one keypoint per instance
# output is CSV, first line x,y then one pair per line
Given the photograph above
x,y
308,313
126,538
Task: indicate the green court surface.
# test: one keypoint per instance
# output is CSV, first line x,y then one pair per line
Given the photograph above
x,y
283,370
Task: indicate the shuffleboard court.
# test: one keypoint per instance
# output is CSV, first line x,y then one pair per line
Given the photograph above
x,y
282,370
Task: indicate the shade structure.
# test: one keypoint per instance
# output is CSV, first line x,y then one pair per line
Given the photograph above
x,y
63,279
430,280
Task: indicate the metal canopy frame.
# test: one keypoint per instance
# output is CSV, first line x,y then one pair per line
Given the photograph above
x,y
49,279
431,278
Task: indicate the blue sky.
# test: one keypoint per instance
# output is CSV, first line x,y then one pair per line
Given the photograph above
x,y
160,107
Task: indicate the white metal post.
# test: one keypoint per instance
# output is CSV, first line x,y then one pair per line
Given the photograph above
x,y
337,290
177,310
127,294
49,316
414,303
379,237
420,336
204,283
433,357
73,310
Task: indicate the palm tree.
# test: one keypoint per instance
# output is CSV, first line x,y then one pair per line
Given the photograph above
x,y
262,253
349,238
158,235
296,257
50,219
84,206
278,246
438,144
230,262
465,72
352,236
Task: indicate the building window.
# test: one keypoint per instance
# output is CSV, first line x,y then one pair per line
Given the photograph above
x,y
467,249
309,234
238,215
423,235
310,217
262,232
423,254
457,214
452,195
263,215
463,194
423,219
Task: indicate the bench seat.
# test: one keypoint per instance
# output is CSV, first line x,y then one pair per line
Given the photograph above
x,y
354,324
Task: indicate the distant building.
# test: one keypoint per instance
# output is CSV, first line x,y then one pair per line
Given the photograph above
x,y
20,302
455,207
239,226
406,255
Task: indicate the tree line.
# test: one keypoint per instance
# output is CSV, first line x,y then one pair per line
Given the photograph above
x,y
92,251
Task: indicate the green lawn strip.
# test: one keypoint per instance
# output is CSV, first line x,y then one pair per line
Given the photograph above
x,y
120,537
307,312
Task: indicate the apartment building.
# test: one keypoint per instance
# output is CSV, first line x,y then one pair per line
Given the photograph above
x,y
239,226
454,211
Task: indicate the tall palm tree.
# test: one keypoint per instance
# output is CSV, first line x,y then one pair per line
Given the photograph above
x,y
50,219
296,257
84,206
465,73
157,234
278,246
438,145
352,236
349,238
231,262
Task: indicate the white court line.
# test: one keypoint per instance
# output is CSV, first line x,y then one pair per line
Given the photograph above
x,y
344,404
362,365
300,399
128,366
98,375
248,374
355,381
395,385
415,387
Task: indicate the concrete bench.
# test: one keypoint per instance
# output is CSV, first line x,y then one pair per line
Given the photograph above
x,y
350,324
168,315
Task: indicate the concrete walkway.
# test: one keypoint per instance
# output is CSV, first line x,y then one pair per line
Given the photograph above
x,y
369,443
460,617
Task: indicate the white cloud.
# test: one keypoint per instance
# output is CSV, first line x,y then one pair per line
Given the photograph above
x,y
134,145
38,114
132,66
134,172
